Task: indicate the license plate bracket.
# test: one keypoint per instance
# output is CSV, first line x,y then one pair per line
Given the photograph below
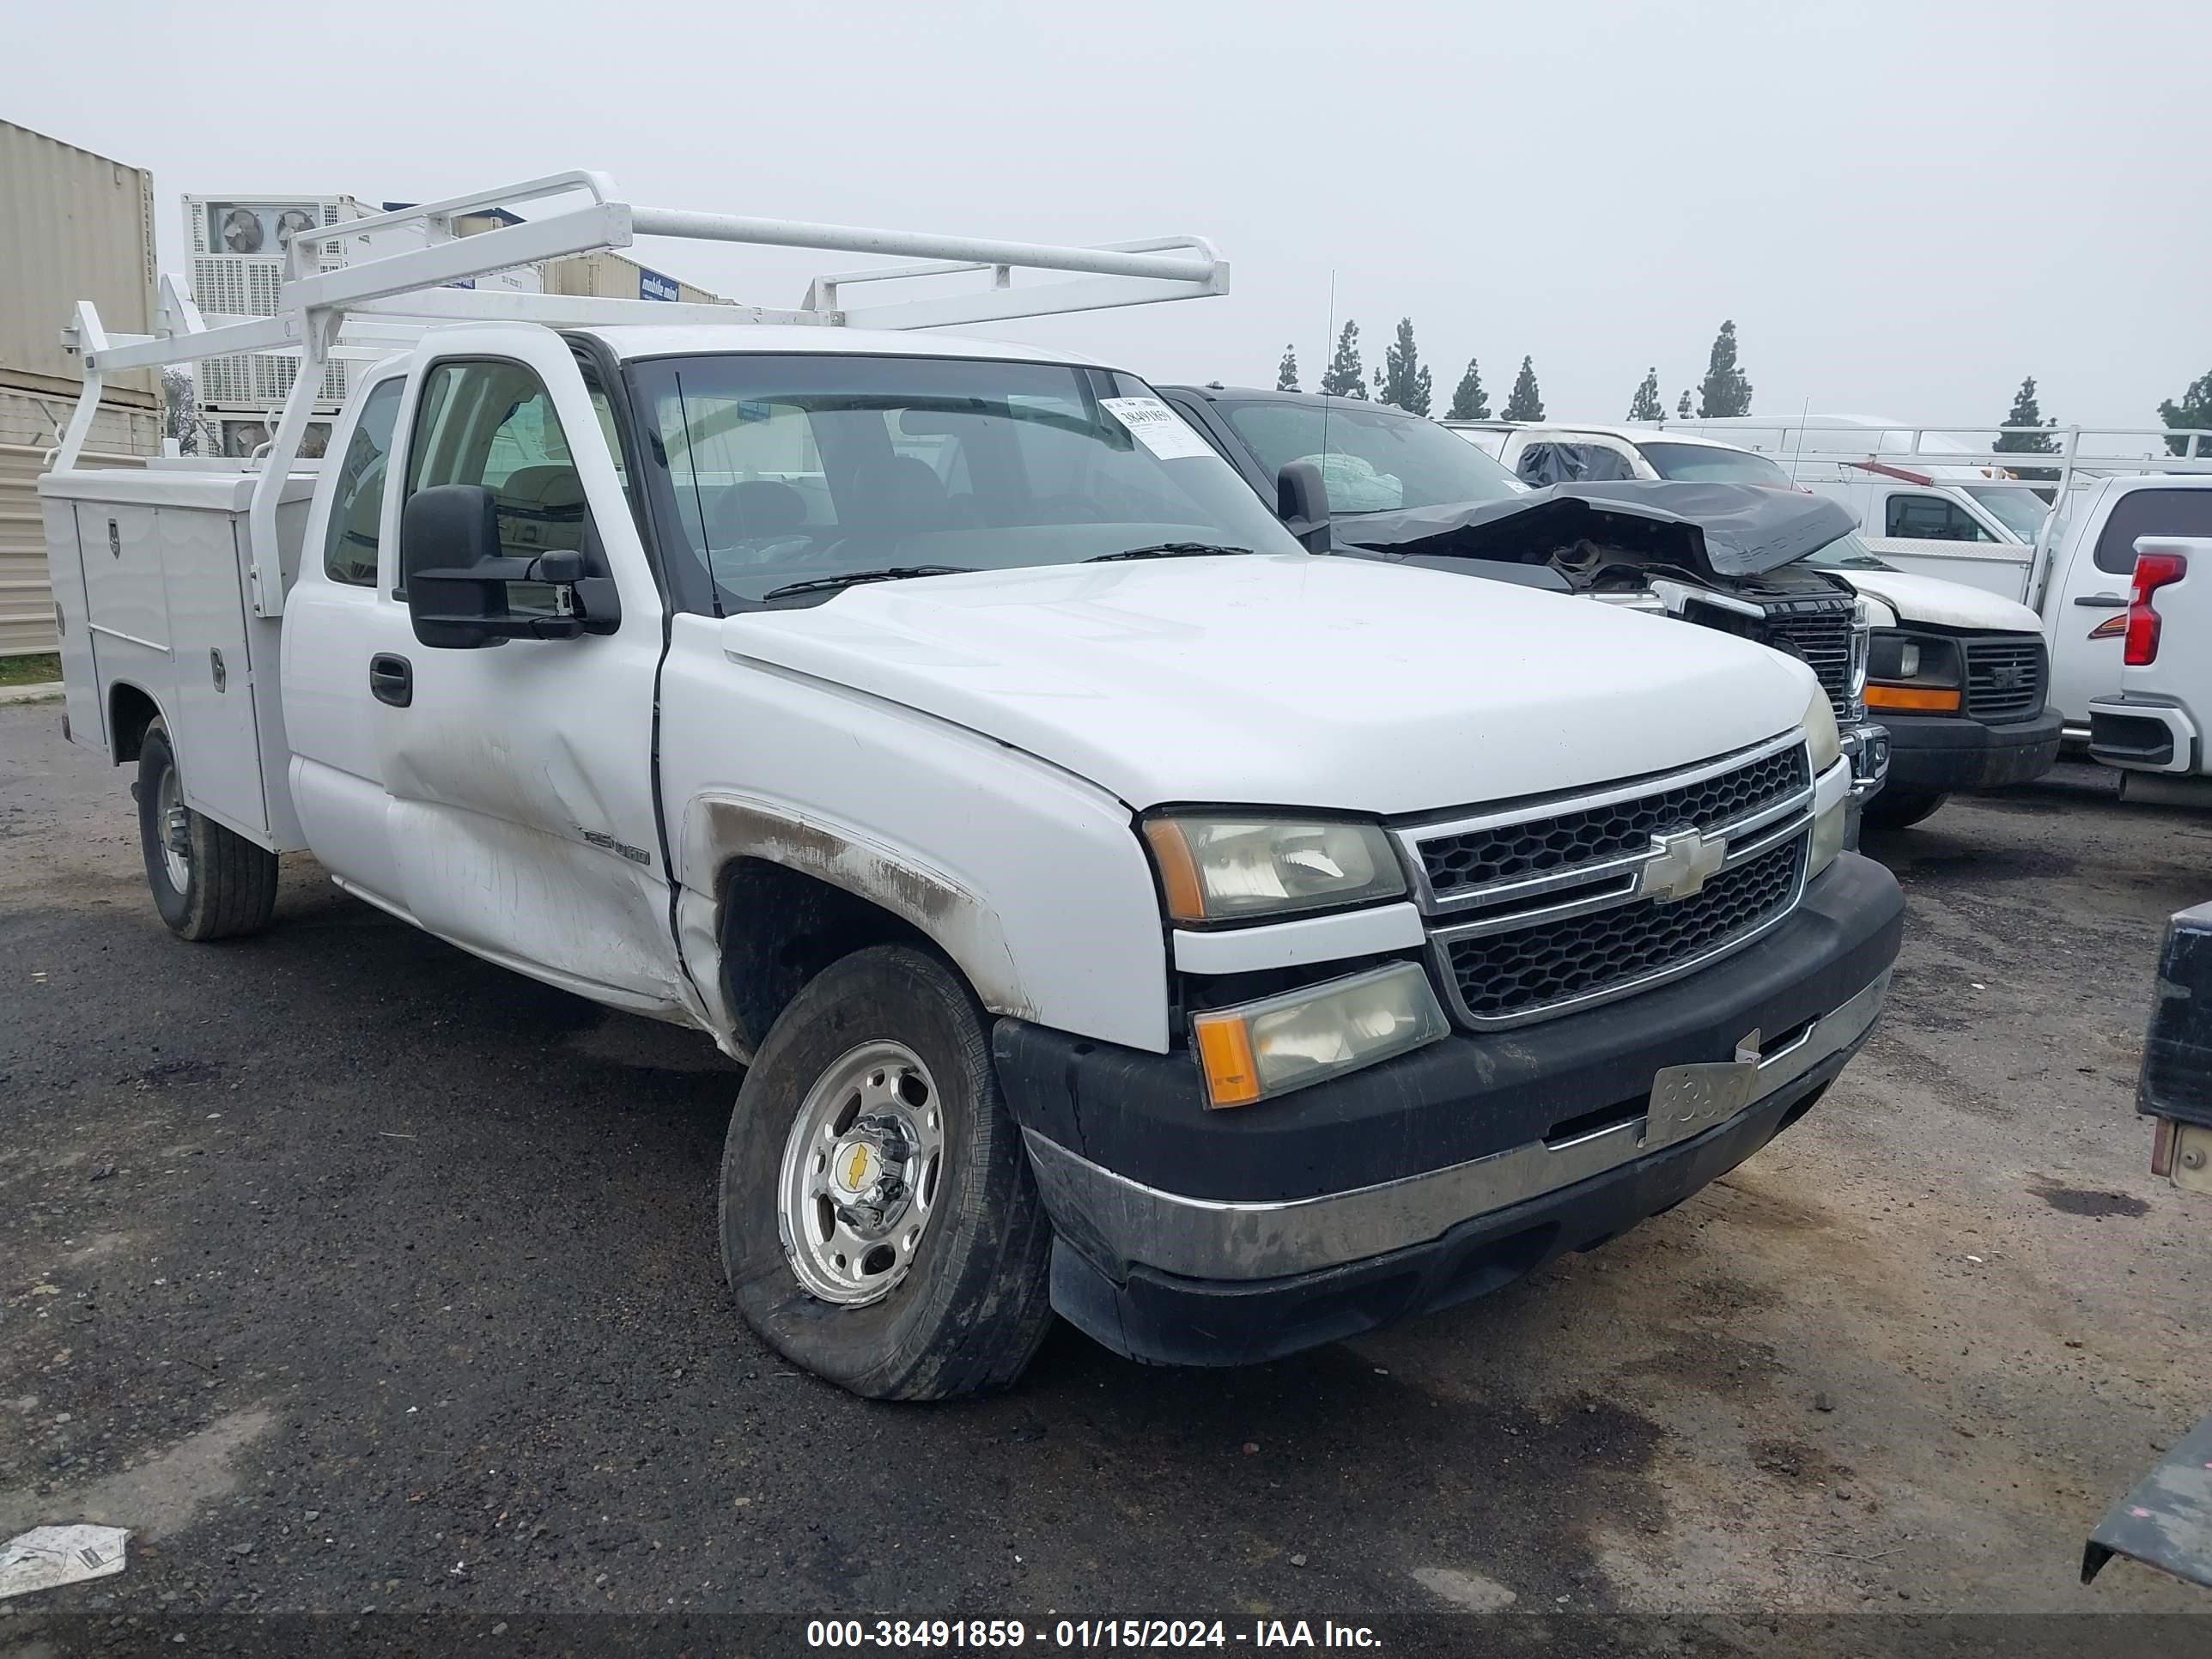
x,y
1688,1100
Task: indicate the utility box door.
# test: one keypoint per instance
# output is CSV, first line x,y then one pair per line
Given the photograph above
x,y
211,718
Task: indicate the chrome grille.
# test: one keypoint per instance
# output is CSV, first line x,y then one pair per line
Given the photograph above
x,y
1557,904
1497,852
1503,976
1823,638
2005,678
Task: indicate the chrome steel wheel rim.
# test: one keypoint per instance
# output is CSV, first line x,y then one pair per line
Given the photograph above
x,y
860,1172
173,820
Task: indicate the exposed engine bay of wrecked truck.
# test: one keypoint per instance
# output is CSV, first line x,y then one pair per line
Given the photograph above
x,y
1723,556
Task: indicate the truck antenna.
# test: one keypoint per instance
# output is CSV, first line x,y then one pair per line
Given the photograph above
x,y
1328,347
691,460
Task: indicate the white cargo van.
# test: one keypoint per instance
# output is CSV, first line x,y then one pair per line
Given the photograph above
x,y
1119,910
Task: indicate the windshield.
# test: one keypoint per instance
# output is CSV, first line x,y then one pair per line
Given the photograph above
x,y
790,468
1705,464
1374,461
1846,552
2019,511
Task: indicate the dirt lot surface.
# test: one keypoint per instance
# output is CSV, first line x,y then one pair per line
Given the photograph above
x,y
352,1273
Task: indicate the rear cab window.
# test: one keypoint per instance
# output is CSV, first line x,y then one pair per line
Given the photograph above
x,y
349,541
2150,512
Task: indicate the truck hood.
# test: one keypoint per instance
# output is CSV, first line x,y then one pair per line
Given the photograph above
x,y
1737,530
1289,680
1942,604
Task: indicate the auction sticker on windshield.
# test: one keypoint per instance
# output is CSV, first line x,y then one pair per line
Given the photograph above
x,y
1156,426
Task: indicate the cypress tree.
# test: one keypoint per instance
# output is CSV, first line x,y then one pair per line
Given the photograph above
x,y
1469,402
1402,382
1526,403
1345,378
1724,391
1645,406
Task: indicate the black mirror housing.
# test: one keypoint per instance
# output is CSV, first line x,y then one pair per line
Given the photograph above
x,y
457,575
1301,503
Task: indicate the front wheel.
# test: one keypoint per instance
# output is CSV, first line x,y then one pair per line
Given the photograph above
x,y
208,882
1900,809
880,1225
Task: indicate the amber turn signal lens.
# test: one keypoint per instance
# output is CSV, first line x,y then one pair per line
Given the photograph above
x,y
1179,881
1908,697
1224,1049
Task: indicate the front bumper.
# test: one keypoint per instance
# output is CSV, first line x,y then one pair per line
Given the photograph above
x,y
1185,1236
1938,754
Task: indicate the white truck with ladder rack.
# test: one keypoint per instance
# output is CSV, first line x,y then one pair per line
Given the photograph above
x,y
1117,909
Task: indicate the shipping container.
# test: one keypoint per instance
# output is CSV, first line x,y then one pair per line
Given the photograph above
x,y
73,226
611,276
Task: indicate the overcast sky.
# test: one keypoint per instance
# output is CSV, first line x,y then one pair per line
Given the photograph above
x,y
1905,208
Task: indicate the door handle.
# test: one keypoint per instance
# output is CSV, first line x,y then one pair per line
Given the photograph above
x,y
391,679
2102,601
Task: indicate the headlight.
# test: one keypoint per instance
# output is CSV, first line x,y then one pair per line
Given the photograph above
x,y
1223,869
1820,732
1269,1047
1913,673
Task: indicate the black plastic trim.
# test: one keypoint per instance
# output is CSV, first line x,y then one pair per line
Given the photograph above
x,y
1164,1319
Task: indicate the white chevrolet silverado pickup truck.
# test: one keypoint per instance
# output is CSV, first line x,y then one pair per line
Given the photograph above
x,y
1117,909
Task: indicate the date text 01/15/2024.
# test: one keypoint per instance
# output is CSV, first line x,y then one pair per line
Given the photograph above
x,y
1086,1633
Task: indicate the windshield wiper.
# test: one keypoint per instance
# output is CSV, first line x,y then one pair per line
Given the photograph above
x,y
1168,550
889,573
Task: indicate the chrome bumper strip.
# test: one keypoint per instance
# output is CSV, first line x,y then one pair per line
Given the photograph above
x,y
1116,1221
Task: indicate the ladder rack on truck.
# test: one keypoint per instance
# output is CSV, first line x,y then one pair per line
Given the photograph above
x,y
366,310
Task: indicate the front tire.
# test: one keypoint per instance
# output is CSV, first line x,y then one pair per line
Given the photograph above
x,y
880,1225
208,882
1897,809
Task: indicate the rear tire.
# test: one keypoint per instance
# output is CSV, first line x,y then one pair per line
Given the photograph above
x,y
939,1290
1896,809
208,882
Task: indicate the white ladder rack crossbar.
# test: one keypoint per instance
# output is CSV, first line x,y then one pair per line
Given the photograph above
x,y
370,306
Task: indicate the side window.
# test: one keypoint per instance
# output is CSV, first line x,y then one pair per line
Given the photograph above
x,y
357,503
494,424
1931,519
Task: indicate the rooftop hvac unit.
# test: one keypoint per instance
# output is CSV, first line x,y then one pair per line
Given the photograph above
x,y
239,249
258,227
261,381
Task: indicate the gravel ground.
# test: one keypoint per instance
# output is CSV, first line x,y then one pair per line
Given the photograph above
x,y
350,1272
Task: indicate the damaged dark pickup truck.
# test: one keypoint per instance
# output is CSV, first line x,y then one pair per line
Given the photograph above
x,y
1372,482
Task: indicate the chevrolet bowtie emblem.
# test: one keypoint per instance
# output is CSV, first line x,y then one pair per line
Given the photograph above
x,y
1679,865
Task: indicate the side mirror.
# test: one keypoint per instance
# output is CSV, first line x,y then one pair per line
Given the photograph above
x,y
461,579
1301,503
